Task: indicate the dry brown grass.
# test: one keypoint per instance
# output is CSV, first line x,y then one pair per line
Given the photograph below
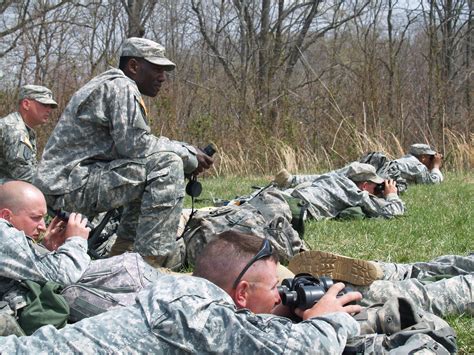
x,y
268,158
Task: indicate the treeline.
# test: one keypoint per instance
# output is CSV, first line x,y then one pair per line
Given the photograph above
x,y
302,84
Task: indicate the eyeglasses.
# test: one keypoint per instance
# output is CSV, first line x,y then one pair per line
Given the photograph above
x,y
264,252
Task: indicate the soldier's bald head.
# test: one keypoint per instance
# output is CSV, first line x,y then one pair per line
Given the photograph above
x,y
16,195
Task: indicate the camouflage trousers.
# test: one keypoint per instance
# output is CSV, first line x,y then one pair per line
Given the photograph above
x,y
151,190
442,286
9,325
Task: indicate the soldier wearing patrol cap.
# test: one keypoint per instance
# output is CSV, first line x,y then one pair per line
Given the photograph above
x,y
17,135
330,195
421,165
102,155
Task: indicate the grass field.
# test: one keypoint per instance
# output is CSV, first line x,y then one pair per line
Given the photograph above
x,y
439,220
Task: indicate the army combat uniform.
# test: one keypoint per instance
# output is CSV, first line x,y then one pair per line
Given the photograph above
x,y
18,141
101,155
330,194
188,315
415,172
22,259
442,286
17,149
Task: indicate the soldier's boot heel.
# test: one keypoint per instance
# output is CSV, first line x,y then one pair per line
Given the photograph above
x,y
341,268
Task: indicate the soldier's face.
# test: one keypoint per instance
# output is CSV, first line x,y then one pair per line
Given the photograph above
x,y
30,218
263,294
149,78
39,113
368,186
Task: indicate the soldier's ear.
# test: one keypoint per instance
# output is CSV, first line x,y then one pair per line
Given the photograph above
x,y
25,104
241,294
6,214
133,66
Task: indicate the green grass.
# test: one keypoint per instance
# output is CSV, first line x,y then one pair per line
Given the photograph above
x,y
438,221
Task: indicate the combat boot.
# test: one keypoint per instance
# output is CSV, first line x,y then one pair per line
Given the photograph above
x,y
391,317
283,179
121,246
338,267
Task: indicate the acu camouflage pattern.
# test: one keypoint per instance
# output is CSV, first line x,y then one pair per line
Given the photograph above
x,y
265,215
102,155
17,149
187,315
397,325
109,283
332,193
415,172
9,325
442,286
22,259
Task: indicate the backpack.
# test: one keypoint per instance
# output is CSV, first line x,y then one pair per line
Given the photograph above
x,y
107,284
266,215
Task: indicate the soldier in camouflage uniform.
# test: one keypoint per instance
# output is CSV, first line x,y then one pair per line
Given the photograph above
x,y
17,135
442,286
330,194
22,207
190,314
421,165
102,155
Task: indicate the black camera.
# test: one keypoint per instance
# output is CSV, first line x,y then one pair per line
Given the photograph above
x,y
63,215
304,290
194,187
379,189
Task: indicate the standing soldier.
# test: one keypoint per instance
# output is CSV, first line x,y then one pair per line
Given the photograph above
x,y
17,135
102,155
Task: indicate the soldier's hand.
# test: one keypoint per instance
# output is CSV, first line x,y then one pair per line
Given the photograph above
x,y
390,187
204,161
55,234
330,303
76,226
437,160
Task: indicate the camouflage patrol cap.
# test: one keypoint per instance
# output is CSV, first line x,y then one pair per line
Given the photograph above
x,y
38,93
150,51
359,172
419,149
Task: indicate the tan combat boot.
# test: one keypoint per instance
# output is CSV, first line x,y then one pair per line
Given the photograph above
x,y
282,179
121,246
340,268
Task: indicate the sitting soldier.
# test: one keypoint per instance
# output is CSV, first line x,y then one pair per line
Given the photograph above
x,y
17,135
330,194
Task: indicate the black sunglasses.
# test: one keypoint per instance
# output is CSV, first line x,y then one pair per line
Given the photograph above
x,y
264,252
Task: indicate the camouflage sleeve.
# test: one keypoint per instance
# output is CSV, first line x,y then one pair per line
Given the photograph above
x,y
19,261
419,172
132,134
19,155
388,207
327,334
177,321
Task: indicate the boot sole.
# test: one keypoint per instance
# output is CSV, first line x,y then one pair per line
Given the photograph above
x,y
341,268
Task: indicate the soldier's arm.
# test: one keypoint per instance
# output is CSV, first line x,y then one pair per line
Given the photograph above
x,y
19,156
131,132
388,207
21,259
